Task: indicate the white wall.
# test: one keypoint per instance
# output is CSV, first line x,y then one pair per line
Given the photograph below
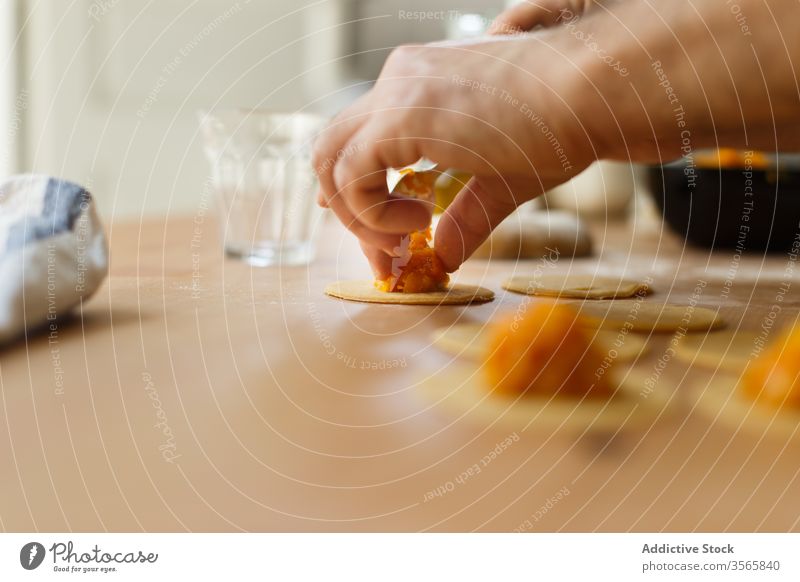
x,y
6,92
11,104
113,86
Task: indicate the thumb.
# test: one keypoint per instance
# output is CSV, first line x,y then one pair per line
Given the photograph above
x,y
475,212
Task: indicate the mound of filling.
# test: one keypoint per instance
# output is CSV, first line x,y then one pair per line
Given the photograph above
x,y
418,269
545,350
773,379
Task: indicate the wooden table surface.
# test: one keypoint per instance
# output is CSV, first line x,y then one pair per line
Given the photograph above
x,y
196,393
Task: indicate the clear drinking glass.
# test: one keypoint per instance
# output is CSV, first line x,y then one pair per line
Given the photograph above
x,y
262,173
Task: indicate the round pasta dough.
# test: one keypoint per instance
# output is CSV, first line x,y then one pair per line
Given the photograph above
x,y
461,392
723,401
470,340
575,286
650,317
725,350
365,291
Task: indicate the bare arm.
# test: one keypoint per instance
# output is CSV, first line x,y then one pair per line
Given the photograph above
x,y
717,73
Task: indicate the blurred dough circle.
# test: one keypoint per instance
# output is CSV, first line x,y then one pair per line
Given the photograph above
x,y
722,400
642,316
575,286
724,350
460,392
365,291
470,340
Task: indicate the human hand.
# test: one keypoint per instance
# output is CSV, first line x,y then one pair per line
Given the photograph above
x,y
478,107
523,113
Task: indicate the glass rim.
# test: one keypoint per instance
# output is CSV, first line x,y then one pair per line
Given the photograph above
x,y
259,113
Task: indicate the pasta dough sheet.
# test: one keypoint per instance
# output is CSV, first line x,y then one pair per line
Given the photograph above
x,y
460,392
365,291
575,286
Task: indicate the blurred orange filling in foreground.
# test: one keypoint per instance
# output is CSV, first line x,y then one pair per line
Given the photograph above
x,y
545,350
773,378
423,272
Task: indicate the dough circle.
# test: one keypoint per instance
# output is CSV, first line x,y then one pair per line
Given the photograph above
x,y
470,339
575,286
722,400
459,391
643,316
724,350
365,291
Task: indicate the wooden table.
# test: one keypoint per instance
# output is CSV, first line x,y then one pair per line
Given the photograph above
x,y
196,393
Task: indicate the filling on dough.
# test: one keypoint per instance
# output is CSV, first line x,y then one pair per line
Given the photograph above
x,y
773,378
545,351
418,269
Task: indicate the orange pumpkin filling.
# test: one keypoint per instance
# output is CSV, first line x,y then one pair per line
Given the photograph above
x,y
545,351
773,378
731,158
417,184
418,269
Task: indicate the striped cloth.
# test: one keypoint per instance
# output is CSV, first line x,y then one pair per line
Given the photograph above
x,y
53,252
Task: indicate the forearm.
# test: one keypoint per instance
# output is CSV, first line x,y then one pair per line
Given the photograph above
x,y
694,75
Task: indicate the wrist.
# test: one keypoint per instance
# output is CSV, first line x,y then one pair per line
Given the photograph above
x,y
560,106
580,82
634,89
599,88
691,79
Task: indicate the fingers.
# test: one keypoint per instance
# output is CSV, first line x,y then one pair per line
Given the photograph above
x,y
380,262
361,180
470,219
384,242
335,144
330,147
524,17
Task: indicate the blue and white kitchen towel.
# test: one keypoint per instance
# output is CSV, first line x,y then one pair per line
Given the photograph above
x,y
53,252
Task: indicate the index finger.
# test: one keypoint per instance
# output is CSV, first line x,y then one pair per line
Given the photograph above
x,y
360,176
329,147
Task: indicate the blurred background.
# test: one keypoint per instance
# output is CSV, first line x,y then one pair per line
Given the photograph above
x,y
107,92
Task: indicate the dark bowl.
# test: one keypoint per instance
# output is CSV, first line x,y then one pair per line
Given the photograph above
x,y
754,210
